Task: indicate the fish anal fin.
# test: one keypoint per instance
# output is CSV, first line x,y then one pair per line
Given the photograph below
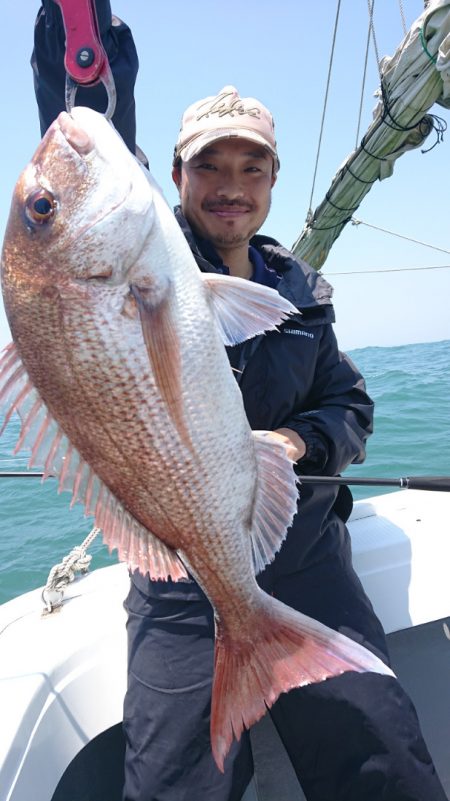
x,y
275,499
136,545
243,309
292,650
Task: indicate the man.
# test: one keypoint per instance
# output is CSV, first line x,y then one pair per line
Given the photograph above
x,y
354,737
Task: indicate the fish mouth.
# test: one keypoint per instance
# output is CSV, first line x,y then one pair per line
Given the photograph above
x,y
76,136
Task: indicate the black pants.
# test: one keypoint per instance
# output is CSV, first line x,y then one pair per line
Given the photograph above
x,y
355,737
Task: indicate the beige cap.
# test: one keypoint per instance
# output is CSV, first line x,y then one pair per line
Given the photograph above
x,y
223,116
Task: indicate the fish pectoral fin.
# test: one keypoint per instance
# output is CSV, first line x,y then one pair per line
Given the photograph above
x,y
275,501
163,350
243,309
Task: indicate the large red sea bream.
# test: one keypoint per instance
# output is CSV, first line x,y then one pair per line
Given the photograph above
x,y
120,376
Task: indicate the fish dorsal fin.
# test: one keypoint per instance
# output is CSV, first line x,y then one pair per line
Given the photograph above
x,y
244,309
51,450
275,501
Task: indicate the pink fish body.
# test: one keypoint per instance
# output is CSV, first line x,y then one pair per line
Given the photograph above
x,y
120,376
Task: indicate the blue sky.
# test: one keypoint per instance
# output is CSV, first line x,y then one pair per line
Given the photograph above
x,y
278,52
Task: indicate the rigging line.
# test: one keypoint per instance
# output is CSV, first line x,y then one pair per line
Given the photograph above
x,y
363,86
399,236
388,270
330,65
374,38
402,15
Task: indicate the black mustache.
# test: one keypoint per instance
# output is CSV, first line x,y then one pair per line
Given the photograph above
x,y
220,204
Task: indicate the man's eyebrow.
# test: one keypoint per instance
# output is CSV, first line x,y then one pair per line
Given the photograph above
x,y
207,151
258,154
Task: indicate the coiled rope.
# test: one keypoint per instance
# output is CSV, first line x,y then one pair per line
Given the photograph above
x,y
62,574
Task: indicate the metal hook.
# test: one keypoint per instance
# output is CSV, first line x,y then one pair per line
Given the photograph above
x,y
106,78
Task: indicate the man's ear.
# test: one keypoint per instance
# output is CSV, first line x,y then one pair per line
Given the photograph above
x,y
176,175
274,178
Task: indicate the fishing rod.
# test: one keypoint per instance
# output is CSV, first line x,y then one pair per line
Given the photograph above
x,y
430,483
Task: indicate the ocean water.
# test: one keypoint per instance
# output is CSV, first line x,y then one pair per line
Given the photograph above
x,y
411,388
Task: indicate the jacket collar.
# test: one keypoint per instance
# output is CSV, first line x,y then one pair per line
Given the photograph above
x,y
299,283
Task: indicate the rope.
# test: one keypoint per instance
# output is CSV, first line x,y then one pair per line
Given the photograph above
x,y
422,34
432,58
330,65
64,573
389,270
400,236
402,15
372,31
358,127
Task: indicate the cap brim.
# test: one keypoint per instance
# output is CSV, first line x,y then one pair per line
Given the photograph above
x,y
203,140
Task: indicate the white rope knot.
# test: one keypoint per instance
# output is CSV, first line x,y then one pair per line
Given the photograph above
x,y
62,574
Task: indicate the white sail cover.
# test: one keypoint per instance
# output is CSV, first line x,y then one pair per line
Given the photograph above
x,y
412,80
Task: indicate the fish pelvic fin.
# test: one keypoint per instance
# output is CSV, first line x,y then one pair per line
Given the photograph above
x,y
51,449
275,499
287,650
163,351
243,309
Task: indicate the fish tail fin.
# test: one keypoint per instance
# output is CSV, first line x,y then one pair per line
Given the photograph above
x,y
286,649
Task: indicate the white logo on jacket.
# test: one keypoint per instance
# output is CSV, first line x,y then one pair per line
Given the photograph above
x,y
298,332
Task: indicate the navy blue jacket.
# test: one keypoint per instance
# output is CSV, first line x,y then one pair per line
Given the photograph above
x,y
296,378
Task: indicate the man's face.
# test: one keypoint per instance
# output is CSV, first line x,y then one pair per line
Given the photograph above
x,y
225,191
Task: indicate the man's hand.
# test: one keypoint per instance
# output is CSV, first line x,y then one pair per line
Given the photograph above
x,y
295,446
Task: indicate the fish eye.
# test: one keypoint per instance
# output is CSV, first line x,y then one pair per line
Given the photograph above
x,y
40,206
